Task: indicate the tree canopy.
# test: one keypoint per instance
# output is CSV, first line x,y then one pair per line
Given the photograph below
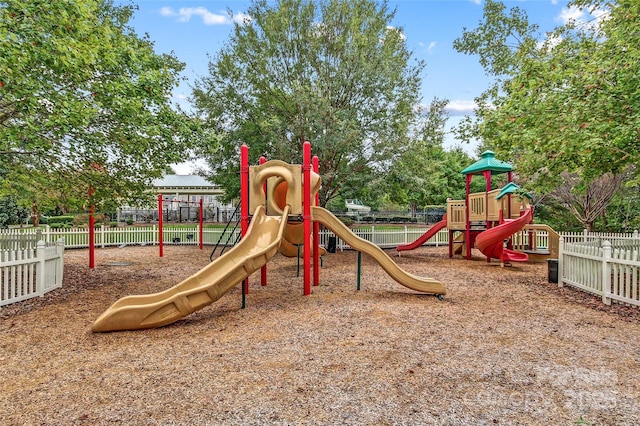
x,y
425,173
84,102
565,106
566,101
332,72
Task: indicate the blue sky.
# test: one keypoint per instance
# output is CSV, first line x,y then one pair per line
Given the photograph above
x,y
195,29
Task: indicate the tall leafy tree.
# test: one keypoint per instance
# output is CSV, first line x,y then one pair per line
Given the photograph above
x,y
11,213
564,103
424,173
84,102
329,71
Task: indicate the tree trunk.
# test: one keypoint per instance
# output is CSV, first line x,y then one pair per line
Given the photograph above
x,y
35,215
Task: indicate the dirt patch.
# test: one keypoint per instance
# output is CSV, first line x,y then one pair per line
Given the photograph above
x,y
503,347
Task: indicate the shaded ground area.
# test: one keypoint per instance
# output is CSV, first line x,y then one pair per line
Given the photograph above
x,y
503,347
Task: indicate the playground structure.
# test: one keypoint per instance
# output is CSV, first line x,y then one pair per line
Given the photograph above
x,y
278,203
498,222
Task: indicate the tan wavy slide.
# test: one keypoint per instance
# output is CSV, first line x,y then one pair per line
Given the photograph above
x,y
206,286
424,285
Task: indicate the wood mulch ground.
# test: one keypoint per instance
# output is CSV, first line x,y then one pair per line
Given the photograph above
x,y
503,347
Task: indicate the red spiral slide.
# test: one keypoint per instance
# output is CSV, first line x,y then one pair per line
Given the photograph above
x,y
491,241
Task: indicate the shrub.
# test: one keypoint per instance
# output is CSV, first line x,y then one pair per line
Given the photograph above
x,y
346,220
83,218
62,220
129,221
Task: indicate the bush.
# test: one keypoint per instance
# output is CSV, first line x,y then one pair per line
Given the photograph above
x,y
129,221
59,225
346,220
83,218
60,220
113,224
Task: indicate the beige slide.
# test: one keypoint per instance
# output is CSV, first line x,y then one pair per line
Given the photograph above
x,y
424,285
206,286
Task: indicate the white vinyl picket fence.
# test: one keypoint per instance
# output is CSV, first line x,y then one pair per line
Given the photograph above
x,y
27,273
387,238
606,265
190,235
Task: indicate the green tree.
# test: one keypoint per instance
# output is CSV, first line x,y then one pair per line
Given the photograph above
x,y
11,213
84,103
425,173
564,103
329,71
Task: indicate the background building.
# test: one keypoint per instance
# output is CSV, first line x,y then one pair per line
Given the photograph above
x,y
182,194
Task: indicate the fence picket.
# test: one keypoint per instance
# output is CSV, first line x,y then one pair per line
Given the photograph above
x,y
617,260
29,273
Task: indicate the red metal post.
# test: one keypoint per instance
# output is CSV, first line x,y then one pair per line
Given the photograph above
x,y
306,215
92,237
160,237
244,200
467,231
488,224
316,231
201,223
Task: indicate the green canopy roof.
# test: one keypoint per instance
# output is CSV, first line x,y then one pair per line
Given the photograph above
x,y
512,188
488,162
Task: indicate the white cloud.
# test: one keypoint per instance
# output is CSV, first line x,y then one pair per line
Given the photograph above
x,y
429,48
461,107
582,17
550,42
241,18
184,14
573,14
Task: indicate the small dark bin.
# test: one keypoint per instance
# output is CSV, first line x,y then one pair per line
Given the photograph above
x,y
553,270
331,247
175,240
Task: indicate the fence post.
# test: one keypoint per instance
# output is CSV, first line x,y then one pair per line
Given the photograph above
x,y
606,272
40,267
47,233
560,261
154,239
584,235
101,235
59,261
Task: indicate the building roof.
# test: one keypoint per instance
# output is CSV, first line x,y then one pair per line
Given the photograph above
x,y
186,184
182,181
488,162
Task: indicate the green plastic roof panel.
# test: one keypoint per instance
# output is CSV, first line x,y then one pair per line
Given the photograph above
x,y
488,162
512,188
